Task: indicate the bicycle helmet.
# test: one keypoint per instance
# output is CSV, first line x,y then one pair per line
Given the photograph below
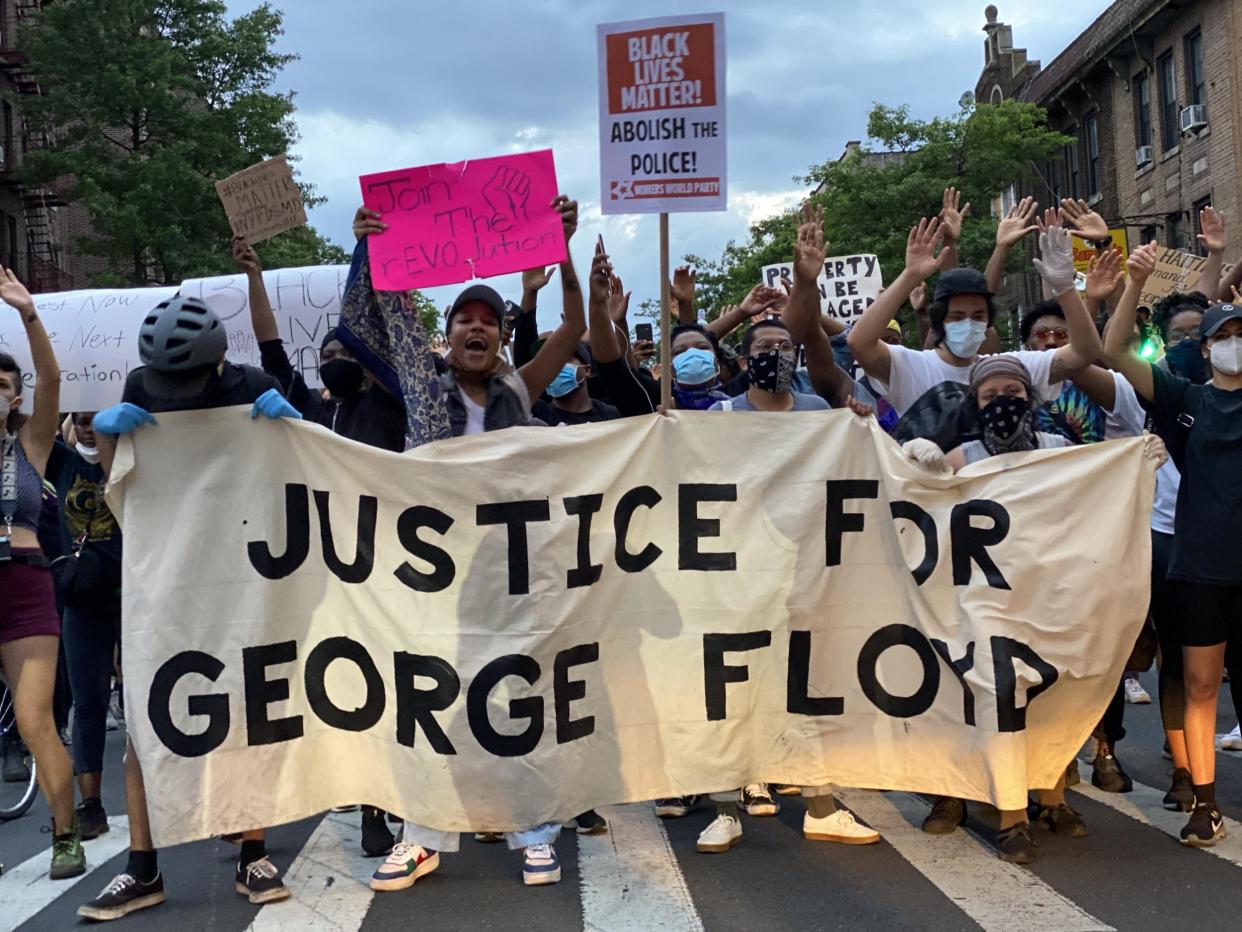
x,y
180,344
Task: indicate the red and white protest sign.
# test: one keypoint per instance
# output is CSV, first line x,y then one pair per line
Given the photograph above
x,y
662,115
449,223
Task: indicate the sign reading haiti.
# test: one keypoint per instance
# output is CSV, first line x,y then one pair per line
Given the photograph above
x,y
450,223
662,114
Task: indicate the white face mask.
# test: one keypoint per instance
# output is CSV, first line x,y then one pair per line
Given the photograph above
x,y
1227,356
964,337
90,454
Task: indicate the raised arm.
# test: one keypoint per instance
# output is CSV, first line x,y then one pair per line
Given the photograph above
x,y
681,288
262,320
1009,232
733,316
605,347
1056,267
1215,239
526,327
559,347
922,261
829,379
951,216
39,433
1136,370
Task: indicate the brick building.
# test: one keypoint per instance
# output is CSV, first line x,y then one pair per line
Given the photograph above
x,y
1151,93
38,230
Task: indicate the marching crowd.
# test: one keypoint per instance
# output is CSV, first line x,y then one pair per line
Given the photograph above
x,y
1086,372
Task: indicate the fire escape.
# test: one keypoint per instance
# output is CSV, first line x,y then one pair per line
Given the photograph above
x,y
43,271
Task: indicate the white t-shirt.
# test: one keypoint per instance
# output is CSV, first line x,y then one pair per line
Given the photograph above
x,y
912,373
1127,419
474,414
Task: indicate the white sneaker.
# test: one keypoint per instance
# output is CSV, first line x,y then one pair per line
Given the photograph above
x,y
1135,693
724,832
1233,740
840,827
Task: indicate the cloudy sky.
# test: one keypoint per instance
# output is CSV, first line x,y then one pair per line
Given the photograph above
x,y
383,84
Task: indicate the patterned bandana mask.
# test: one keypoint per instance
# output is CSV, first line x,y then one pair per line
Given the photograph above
x,y
772,371
1008,425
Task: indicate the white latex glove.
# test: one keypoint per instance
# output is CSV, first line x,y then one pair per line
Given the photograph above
x,y
926,454
1154,449
1056,263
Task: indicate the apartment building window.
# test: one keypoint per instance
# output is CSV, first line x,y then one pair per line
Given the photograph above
x,y
1142,109
1072,167
1175,229
1092,125
1168,101
1197,246
1196,84
1053,179
1148,235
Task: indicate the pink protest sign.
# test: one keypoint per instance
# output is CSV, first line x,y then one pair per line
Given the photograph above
x,y
450,223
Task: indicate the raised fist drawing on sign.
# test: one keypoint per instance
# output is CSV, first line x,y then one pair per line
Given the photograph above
x,y
507,193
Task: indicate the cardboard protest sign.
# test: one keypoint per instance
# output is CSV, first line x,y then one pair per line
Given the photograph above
x,y
662,115
1175,271
450,223
641,624
262,200
848,285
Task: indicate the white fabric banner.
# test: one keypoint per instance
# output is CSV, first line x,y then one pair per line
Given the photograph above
x,y
502,630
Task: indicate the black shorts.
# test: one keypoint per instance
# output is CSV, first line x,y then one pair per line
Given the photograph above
x,y
1208,614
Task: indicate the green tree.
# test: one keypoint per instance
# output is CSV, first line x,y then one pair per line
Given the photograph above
x,y
870,203
429,314
144,104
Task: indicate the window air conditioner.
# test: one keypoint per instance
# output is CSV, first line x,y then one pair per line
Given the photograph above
x,y
1142,156
1194,119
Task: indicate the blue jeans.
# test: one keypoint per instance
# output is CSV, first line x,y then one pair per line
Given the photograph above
x,y
415,834
90,632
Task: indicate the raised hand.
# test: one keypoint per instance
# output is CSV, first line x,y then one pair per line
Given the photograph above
x,y
922,257
246,258
569,214
1213,237
601,276
1017,223
1056,262
1051,218
682,286
1087,222
618,301
951,215
918,298
14,293
1143,262
535,279
367,222
1104,275
809,247
760,298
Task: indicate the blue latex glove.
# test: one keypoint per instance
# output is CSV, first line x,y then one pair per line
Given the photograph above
x,y
124,418
272,404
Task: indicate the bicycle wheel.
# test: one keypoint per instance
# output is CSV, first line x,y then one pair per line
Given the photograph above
x,y
15,797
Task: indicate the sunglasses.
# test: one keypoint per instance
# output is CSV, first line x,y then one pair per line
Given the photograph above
x,y
1058,333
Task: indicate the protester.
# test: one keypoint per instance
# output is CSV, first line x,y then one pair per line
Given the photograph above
x,y
182,345
29,626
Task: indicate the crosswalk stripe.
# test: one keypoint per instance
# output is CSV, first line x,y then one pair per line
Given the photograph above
x,y
328,880
630,879
25,890
1145,804
993,893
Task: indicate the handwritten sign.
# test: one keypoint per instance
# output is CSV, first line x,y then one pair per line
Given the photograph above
x,y
262,200
451,223
662,114
95,333
848,285
1176,271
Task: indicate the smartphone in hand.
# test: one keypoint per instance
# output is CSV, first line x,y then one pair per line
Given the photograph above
x,y
644,332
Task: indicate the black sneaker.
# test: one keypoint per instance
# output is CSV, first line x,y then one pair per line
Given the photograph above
x,y
1205,828
1063,820
591,823
1106,773
124,895
757,800
1015,844
377,840
14,769
946,815
260,882
1181,795
676,806
92,819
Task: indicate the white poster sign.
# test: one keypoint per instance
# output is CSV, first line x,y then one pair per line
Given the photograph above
x,y
848,285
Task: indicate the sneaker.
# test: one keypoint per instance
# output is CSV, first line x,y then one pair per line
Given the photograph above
x,y
757,801
260,882
124,895
1205,828
541,866
676,806
840,827
377,840
1015,844
784,789
1181,795
92,820
591,823
946,815
1233,740
404,866
489,838
68,858
14,767
1072,776
722,834
1063,821
1106,773
1135,693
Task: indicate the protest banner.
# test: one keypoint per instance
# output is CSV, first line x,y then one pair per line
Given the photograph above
x,y
848,285
662,115
95,332
262,200
641,619
451,223
1175,271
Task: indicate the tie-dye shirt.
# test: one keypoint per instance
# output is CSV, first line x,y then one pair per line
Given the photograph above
x,y
1072,415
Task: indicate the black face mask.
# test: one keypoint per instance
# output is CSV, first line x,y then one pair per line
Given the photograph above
x,y
342,377
1186,359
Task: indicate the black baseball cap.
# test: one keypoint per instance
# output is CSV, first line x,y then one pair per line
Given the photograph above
x,y
484,293
961,281
1214,317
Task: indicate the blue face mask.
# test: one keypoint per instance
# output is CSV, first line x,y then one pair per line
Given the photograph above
x,y
565,382
695,367
964,337
1186,359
